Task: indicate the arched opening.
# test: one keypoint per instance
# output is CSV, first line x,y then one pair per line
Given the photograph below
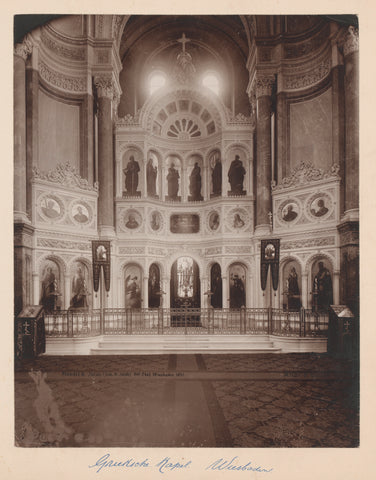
x,y
154,285
185,284
51,294
292,286
237,278
80,297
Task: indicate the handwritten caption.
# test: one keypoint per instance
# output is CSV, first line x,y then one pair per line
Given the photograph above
x,y
168,465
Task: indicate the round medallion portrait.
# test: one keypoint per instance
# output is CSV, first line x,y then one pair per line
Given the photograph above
x,y
320,206
290,212
214,221
132,220
156,221
51,207
81,213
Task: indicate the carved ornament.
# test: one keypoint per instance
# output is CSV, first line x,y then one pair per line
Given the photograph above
x,y
351,41
65,175
65,244
61,49
294,82
313,242
264,85
305,174
105,86
24,49
64,82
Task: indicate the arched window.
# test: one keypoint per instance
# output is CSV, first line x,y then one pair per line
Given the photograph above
x,y
157,80
211,81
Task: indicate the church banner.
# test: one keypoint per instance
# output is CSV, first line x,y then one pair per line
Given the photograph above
x,y
269,256
101,258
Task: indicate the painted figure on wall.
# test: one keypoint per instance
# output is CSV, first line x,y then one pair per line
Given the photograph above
x,y
216,286
322,289
293,291
238,221
132,291
151,178
131,176
173,182
79,290
49,293
155,221
236,175
154,287
101,253
289,213
82,215
214,221
217,177
237,289
195,183
321,208
51,208
132,222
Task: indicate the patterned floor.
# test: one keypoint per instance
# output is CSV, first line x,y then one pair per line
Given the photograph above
x,y
290,400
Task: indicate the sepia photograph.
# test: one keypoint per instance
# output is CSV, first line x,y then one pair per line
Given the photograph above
x,y
161,164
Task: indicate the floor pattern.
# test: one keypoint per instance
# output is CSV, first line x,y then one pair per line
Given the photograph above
x,y
232,400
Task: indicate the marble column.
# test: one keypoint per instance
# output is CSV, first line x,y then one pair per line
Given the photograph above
x,y
264,85
351,84
105,91
145,293
67,288
225,293
21,52
305,290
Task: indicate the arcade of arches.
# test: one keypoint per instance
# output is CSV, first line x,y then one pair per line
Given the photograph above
x,y
185,140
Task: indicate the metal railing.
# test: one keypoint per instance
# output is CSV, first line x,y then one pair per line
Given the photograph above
x,y
186,321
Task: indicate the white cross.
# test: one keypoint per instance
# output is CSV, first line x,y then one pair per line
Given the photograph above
x,y
184,40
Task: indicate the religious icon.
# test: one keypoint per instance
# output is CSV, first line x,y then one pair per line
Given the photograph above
x,y
289,213
131,176
133,288
318,208
237,287
151,178
154,286
79,288
293,291
236,175
132,222
238,221
173,182
80,213
49,288
216,286
155,221
101,253
269,251
51,208
322,289
214,221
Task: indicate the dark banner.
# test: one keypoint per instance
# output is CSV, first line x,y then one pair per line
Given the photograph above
x,y
101,258
269,256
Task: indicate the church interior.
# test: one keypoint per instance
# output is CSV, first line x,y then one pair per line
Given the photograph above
x,y
162,163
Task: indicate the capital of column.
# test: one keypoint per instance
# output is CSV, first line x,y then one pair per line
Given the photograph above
x,y
105,86
23,49
351,43
264,85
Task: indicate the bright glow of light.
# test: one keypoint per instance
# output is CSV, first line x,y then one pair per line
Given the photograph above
x,y
157,80
211,81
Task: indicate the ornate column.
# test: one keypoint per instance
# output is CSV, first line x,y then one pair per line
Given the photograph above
x,y
305,290
105,92
264,85
67,289
349,226
21,52
351,54
225,293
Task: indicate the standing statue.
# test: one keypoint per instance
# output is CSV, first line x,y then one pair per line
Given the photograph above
x,y
217,177
293,291
237,292
322,289
173,182
151,178
131,176
236,176
195,183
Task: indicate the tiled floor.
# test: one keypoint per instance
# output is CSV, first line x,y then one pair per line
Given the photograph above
x,y
289,400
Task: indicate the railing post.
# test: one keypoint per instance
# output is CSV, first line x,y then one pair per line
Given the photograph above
x,y
70,323
211,320
160,321
302,322
270,313
242,320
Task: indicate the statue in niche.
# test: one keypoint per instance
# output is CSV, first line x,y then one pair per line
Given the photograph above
x,y
217,177
195,183
151,178
236,175
293,291
131,176
49,291
132,292
79,290
173,182
322,289
237,292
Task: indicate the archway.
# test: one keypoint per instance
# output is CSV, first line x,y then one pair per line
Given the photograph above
x,y
185,284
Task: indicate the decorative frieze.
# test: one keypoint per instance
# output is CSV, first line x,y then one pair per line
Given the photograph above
x,y
24,49
304,80
105,86
131,250
157,251
351,43
62,50
236,249
63,244
60,80
305,174
312,242
213,251
65,175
